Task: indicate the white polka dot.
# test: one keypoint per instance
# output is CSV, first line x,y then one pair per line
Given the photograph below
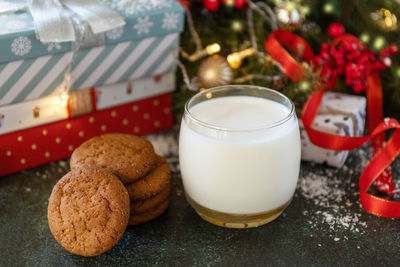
x,y
23,161
113,114
125,121
136,129
70,147
135,108
44,132
34,146
47,154
157,124
68,126
103,127
58,140
9,153
19,138
156,102
91,119
146,116
81,133
167,110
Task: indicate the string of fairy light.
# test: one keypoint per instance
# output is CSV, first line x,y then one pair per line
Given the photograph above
x,y
218,70
215,69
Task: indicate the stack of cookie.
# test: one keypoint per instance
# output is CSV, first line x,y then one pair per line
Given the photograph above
x,y
115,180
146,176
149,195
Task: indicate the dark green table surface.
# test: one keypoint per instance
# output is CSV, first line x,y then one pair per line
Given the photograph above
x,y
324,225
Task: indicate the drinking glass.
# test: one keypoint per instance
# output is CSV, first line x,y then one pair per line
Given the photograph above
x,y
239,153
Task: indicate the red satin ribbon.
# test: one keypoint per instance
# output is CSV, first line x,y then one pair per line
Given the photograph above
x,y
383,156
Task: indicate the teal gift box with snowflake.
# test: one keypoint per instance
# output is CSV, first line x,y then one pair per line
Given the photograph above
x,y
144,46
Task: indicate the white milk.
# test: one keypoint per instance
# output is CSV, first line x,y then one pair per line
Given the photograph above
x,y
240,172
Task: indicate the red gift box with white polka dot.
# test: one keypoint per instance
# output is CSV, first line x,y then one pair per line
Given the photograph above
x,y
39,145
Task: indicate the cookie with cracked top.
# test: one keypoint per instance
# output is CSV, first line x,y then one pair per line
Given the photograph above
x,y
88,211
127,156
152,183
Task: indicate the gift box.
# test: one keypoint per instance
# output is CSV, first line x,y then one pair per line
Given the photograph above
x,y
339,114
39,145
144,46
53,108
56,95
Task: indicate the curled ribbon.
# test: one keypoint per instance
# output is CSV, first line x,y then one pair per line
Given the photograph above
x,y
54,19
383,156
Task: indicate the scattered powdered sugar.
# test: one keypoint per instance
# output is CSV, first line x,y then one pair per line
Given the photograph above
x,y
334,196
61,167
321,189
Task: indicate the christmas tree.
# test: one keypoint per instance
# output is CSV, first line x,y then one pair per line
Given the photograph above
x,y
236,30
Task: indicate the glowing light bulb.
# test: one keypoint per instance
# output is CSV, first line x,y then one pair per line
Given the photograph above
x,y
328,8
208,51
379,43
235,59
364,37
398,72
213,48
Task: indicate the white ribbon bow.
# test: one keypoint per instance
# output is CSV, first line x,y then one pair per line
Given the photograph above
x,y
54,19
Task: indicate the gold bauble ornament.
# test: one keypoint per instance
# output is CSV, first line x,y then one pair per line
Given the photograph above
x,y
290,15
215,71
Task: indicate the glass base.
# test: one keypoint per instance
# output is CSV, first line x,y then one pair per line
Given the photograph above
x,y
236,220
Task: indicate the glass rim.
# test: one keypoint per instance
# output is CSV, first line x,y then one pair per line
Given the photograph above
x,y
240,87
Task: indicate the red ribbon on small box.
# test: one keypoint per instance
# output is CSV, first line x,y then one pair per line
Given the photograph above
x,y
384,153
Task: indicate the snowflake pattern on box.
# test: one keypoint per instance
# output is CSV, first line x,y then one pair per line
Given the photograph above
x,y
50,46
21,46
133,7
143,25
115,34
171,21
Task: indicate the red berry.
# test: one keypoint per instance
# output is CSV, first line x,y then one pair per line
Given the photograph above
x,y
393,49
357,86
240,3
211,5
385,52
335,30
325,55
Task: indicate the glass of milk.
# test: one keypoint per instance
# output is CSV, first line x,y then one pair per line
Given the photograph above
x,y
239,153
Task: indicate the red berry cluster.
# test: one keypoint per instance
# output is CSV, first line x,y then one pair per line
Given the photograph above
x,y
351,59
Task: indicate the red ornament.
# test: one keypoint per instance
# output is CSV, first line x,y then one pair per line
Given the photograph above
x,y
336,30
211,5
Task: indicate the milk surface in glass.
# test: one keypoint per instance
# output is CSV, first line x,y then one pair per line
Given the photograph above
x,y
242,168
